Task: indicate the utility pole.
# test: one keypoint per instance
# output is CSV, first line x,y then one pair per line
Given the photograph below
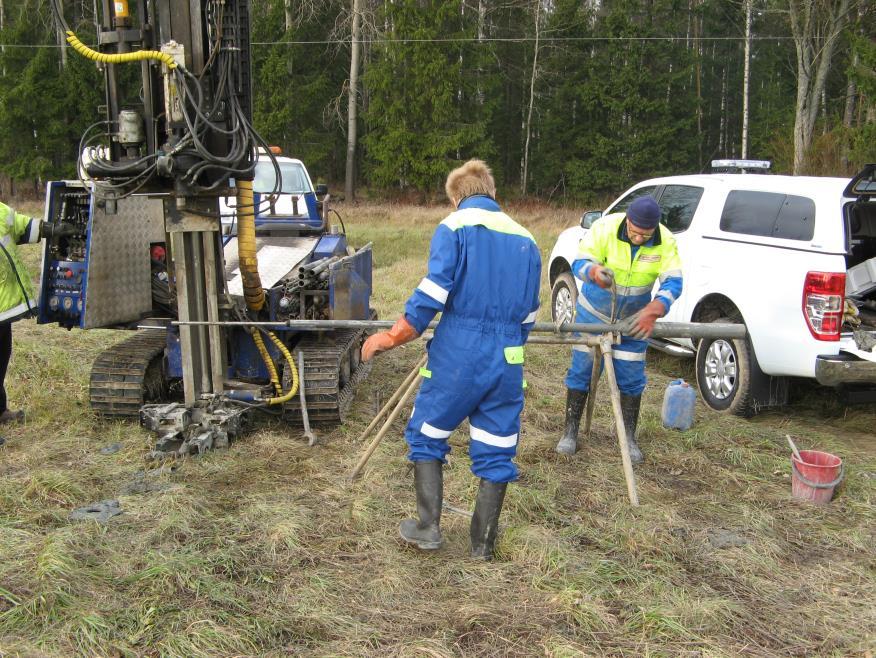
x,y
746,79
350,178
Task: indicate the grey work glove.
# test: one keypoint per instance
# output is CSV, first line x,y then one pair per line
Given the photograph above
x,y
640,324
51,231
602,276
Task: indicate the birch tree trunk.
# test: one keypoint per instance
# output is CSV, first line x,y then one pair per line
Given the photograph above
x,y
851,96
525,175
62,41
350,178
815,27
290,17
2,25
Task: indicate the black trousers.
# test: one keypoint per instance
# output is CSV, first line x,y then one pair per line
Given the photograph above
x,y
5,353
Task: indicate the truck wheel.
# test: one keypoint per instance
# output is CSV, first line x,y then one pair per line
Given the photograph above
x,y
563,296
724,374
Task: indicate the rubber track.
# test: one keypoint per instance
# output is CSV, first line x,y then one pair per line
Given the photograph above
x,y
327,401
117,377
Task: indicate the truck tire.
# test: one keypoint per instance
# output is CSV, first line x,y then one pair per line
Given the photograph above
x,y
725,374
563,297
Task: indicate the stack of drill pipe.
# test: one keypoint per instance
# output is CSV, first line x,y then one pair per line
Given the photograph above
x,y
317,266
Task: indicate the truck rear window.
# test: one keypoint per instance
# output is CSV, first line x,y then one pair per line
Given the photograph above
x,y
769,215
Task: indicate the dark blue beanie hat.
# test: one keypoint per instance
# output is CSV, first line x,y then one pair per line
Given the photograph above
x,y
644,212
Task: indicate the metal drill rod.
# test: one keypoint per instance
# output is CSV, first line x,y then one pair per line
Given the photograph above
x,y
661,329
614,391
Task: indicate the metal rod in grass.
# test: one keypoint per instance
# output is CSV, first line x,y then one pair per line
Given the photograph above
x,y
391,402
412,387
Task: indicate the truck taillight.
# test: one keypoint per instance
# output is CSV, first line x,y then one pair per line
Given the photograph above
x,y
823,295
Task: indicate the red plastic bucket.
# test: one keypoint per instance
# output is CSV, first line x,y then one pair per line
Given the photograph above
x,y
816,476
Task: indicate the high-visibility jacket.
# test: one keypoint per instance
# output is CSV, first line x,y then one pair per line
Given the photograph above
x,y
17,297
636,268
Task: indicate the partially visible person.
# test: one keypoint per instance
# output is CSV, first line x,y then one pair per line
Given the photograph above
x,y
17,298
483,276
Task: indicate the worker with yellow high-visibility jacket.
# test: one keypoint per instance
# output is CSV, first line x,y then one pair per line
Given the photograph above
x,y
17,298
631,250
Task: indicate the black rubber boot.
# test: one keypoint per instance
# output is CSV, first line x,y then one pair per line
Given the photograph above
x,y
575,403
425,532
630,405
485,520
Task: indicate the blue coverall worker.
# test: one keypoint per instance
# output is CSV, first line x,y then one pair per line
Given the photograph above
x,y
631,250
483,276
17,298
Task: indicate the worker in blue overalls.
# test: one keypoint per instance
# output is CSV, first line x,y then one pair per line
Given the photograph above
x,y
484,272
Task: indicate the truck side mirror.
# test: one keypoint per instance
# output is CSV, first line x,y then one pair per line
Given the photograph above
x,y
589,217
321,189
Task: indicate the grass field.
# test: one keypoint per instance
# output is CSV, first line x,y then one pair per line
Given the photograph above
x,y
266,550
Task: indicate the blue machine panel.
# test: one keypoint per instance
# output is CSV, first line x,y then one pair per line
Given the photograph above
x,y
65,262
330,245
350,287
64,293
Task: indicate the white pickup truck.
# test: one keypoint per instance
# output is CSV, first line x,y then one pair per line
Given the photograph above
x,y
794,258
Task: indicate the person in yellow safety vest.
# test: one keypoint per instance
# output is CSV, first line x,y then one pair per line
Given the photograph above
x,y
631,251
17,298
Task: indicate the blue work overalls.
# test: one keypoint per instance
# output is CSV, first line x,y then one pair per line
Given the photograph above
x,y
484,273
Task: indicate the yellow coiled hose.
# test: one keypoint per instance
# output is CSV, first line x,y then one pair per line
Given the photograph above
x,y
292,370
269,362
118,58
253,291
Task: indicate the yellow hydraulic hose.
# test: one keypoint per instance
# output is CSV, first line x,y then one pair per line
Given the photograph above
x,y
246,247
252,288
269,362
118,58
293,371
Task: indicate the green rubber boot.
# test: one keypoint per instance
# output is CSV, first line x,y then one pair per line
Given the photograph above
x,y
425,532
575,403
485,520
630,405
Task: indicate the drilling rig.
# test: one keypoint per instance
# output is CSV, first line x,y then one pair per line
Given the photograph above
x,y
146,251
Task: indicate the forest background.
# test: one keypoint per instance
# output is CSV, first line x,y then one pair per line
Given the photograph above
x,y
568,101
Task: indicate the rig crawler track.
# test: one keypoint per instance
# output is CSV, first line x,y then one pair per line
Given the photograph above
x,y
332,369
128,375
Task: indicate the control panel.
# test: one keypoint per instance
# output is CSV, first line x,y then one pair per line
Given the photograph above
x,y
64,275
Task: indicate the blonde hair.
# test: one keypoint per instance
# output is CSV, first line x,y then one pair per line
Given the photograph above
x,y
474,177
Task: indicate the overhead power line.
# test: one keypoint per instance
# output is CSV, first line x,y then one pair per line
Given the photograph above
x,y
325,42
518,40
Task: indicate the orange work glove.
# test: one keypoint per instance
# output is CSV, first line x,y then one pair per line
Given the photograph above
x,y
641,324
601,275
402,332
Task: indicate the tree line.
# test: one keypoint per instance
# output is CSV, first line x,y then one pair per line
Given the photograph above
x,y
567,100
